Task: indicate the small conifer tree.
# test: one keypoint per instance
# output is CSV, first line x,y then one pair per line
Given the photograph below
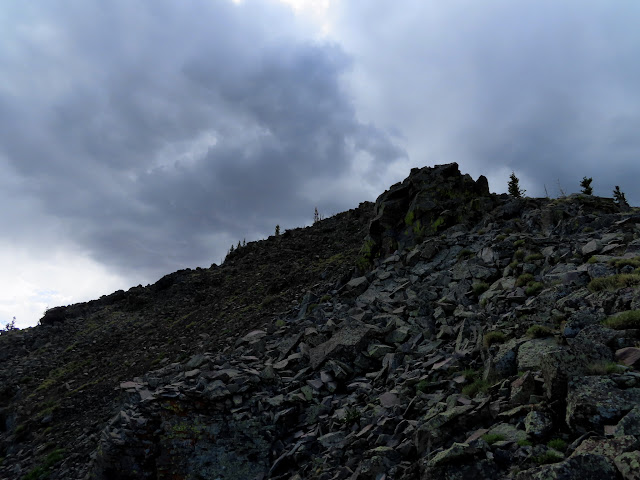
x,y
619,197
277,230
244,242
586,186
316,216
514,186
231,249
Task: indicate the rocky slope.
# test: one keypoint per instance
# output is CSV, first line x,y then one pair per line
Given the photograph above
x,y
478,336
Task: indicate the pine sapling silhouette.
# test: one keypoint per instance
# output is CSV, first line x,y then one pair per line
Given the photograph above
x,y
619,198
277,230
514,186
586,186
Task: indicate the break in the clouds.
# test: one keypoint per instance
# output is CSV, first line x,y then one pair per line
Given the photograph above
x,y
137,138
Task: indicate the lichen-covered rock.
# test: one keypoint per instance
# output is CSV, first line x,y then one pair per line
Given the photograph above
x,y
628,465
428,201
583,467
538,424
504,363
530,353
595,401
629,424
558,366
522,389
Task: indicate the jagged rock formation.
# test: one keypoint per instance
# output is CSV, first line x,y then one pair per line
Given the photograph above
x,y
501,343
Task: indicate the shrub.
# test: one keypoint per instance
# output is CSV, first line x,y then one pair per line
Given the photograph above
x,y
422,386
524,279
493,337
539,331
557,444
519,255
479,288
619,198
518,243
492,438
533,288
524,443
352,415
623,321
586,185
514,186
604,368
623,262
513,264
613,283
549,457
478,386
464,253
533,257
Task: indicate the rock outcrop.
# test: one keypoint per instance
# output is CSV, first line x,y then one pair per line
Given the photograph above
x,y
500,344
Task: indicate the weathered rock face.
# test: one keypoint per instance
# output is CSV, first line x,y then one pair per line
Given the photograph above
x,y
482,352
430,200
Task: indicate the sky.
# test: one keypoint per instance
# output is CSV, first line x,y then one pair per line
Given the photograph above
x,y
139,138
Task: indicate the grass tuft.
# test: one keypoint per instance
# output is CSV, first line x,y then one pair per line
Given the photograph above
x,y
492,338
533,288
478,386
614,283
523,279
479,288
492,438
539,331
623,321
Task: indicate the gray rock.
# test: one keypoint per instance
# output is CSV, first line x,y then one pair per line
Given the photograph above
x,y
538,424
591,248
584,467
628,465
349,339
357,286
595,401
530,353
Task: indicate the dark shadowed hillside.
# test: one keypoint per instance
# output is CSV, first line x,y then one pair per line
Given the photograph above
x,y
443,333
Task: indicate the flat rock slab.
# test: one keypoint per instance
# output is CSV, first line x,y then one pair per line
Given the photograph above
x,y
629,356
352,336
530,353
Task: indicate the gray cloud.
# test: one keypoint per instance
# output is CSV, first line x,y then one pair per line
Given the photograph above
x,y
157,133
545,88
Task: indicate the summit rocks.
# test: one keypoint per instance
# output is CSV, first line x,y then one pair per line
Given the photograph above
x,y
483,347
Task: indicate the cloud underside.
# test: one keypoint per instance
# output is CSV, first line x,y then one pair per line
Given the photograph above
x,y
154,129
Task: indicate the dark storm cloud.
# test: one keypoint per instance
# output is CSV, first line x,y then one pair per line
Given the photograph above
x,y
156,133
548,89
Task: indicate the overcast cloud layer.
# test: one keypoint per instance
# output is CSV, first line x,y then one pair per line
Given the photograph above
x,y
137,138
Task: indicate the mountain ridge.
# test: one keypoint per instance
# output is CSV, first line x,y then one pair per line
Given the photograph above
x,y
443,332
